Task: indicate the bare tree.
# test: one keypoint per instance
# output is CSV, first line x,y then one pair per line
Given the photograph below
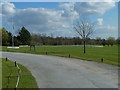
x,y
84,28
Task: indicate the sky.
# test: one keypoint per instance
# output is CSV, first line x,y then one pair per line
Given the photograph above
x,y
59,18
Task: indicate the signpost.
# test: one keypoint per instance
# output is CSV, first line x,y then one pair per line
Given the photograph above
x,y
32,46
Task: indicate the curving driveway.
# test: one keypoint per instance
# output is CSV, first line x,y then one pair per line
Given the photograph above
x,y
59,72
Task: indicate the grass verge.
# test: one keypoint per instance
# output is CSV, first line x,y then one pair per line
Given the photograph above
x,y
0,73
10,76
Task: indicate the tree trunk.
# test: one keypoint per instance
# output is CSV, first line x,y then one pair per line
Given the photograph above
x,y
84,46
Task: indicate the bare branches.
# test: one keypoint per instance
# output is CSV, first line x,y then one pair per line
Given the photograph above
x,y
84,28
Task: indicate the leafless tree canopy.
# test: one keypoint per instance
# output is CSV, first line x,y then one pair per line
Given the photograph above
x,y
84,28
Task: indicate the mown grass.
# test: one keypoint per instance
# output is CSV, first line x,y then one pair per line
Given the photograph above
x,y
10,76
0,73
108,53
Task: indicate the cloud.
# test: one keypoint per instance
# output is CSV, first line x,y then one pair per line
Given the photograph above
x,y
108,27
7,8
42,20
106,31
67,6
100,21
38,19
89,8
93,8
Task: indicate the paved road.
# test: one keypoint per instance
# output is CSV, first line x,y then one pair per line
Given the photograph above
x,y
58,72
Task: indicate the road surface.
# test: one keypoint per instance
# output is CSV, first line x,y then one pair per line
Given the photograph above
x,y
59,72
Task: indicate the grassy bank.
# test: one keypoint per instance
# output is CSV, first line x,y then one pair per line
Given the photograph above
x,y
10,76
0,74
108,53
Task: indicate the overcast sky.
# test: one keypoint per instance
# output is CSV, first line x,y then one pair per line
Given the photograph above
x,y
58,18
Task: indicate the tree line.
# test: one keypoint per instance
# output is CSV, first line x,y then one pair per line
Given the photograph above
x,y
24,37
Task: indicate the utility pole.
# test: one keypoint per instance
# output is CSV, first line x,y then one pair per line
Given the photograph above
x,y
13,38
12,34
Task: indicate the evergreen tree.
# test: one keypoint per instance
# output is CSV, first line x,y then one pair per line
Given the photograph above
x,y
9,38
25,36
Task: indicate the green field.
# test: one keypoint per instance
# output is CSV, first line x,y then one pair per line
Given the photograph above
x,y
0,74
10,76
109,53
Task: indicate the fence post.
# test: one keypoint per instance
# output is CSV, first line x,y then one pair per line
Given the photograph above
x,y
101,59
19,71
6,59
34,48
30,47
46,53
15,64
69,55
